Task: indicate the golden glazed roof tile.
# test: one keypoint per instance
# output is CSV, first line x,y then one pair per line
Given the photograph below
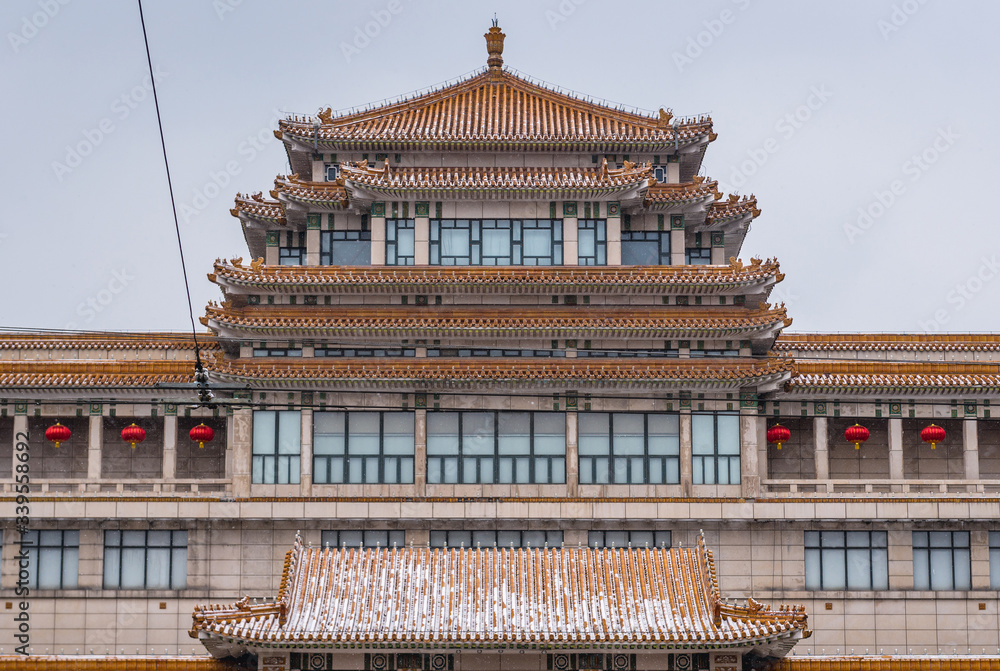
x,y
489,321
256,207
493,109
679,194
876,342
106,341
326,194
61,374
733,208
499,279
118,663
916,377
497,597
731,372
889,663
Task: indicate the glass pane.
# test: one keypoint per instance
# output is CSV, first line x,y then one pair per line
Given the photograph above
x,y
963,569
263,431
398,433
617,539
328,422
642,539
442,433
363,432
859,568
514,433
921,569
813,576
509,539
942,575
404,242
484,539
289,431
178,568
834,569
112,566
537,242
70,567
880,569
702,434
133,566
477,433
729,433
49,568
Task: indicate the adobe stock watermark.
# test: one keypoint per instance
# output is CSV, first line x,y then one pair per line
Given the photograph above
x,y
913,168
32,24
899,16
562,12
223,7
247,151
704,39
963,293
22,521
364,34
121,109
785,127
92,306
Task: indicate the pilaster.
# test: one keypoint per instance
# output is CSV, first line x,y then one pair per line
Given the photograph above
x,y
572,455
239,448
169,447
821,448
420,451
896,448
312,239
378,234
687,465
306,452
95,442
970,442
613,230
749,457
677,243
421,241
570,234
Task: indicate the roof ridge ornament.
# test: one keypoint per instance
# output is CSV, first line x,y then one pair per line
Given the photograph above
x,y
494,46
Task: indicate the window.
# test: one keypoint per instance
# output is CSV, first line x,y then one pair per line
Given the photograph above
x,y
629,448
496,242
461,352
331,171
487,539
709,353
145,559
592,242
995,560
277,351
942,560
345,248
293,253
699,256
276,447
363,447
645,248
400,242
363,351
628,353
715,448
851,560
661,173
366,538
496,447
53,558
624,539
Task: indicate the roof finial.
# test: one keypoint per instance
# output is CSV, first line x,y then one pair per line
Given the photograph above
x,y
494,46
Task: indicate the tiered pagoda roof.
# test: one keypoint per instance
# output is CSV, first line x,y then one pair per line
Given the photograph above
x,y
877,379
548,598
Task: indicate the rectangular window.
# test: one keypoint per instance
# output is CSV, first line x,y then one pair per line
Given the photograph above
x,y
625,539
495,242
846,560
364,538
363,447
145,559
661,174
493,538
629,448
276,446
345,248
995,560
592,242
277,351
645,248
496,447
363,351
400,242
699,256
293,252
715,448
331,171
941,560
53,558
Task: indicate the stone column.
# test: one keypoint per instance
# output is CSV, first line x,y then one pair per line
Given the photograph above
x,y
95,446
378,234
422,240
240,450
749,473
169,447
896,448
570,234
312,239
821,449
572,455
420,452
677,243
306,452
970,441
762,469
687,467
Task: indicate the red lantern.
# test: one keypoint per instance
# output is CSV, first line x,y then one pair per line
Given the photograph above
x,y
133,434
932,434
202,434
778,434
856,434
57,433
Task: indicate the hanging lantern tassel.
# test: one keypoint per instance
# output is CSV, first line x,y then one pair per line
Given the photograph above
x,y
202,434
856,434
778,434
133,434
57,434
932,434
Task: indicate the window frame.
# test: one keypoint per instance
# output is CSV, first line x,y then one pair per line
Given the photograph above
x,y
612,455
661,238
699,460
928,547
294,473
171,547
516,230
381,457
698,256
327,240
36,558
393,227
821,544
293,252
394,538
598,228
662,538
437,470
447,538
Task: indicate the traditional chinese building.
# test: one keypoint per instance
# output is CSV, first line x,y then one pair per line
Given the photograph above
x,y
496,375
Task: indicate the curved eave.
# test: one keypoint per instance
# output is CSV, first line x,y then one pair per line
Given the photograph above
x,y
878,386
628,191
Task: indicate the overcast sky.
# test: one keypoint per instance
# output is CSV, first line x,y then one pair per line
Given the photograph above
x,y
867,129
